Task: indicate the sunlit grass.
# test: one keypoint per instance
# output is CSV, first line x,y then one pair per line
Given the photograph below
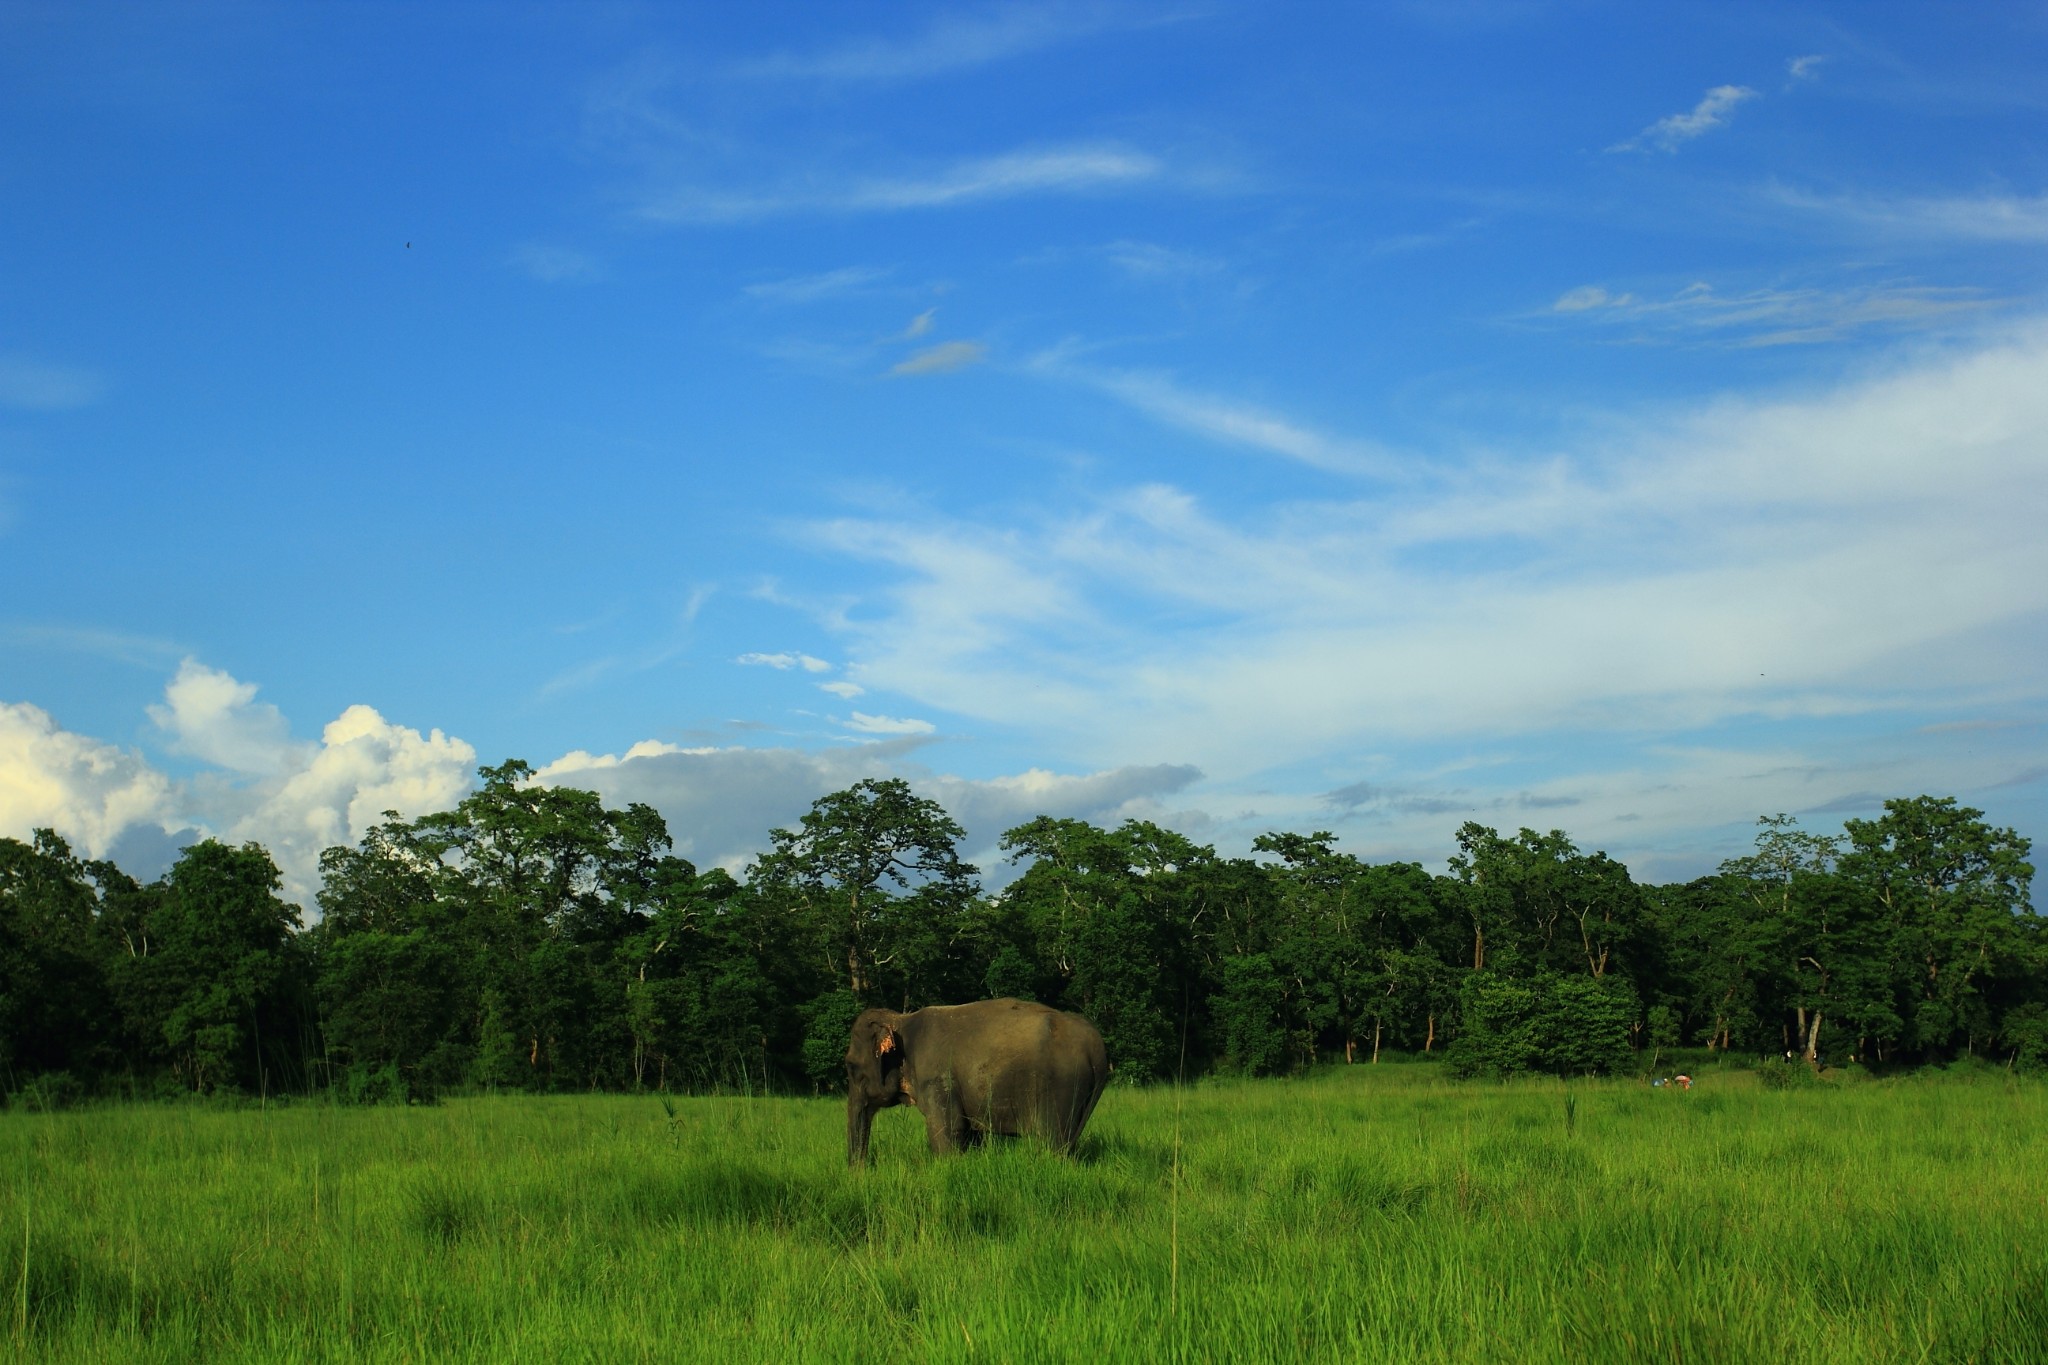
x,y
1368,1213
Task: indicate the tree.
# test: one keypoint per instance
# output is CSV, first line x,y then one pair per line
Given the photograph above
x,y
875,872
221,991
54,1014
1115,916
1953,892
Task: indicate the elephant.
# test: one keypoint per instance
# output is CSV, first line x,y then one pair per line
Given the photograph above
x,y
995,1066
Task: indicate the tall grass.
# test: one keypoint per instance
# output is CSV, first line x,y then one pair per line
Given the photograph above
x,y
1368,1213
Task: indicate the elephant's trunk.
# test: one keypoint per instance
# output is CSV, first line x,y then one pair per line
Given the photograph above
x,y
860,1118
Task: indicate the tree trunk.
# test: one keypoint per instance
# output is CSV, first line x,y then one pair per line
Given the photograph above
x,y
1430,1041
1813,1042
1375,1042
1350,1051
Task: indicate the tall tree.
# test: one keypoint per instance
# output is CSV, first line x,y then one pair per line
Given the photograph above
x,y
1953,890
220,993
874,873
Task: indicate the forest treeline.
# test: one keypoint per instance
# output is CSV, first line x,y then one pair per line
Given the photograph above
x,y
532,938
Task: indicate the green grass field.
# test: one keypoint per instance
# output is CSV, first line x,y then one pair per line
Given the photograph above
x,y
1367,1213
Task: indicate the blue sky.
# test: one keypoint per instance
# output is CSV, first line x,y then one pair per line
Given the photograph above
x,y
1618,418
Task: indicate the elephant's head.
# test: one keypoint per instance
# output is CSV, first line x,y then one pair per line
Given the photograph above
x,y
874,1076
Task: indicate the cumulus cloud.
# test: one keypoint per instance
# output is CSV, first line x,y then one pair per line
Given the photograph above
x,y
720,803
294,798
785,662
1668,134
845,690
86,790
209,715
943,358
363,766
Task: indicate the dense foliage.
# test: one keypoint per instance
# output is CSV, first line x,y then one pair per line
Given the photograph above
x,y
533,939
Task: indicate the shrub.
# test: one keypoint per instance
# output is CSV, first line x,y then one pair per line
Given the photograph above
x,y
1551,1022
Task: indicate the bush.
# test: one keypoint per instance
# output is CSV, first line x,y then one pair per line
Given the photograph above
x,y
2025,1030
372,1085
51,1090
1563,1025
828,1023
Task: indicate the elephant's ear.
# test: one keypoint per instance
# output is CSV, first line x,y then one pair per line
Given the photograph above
x,y
888,1044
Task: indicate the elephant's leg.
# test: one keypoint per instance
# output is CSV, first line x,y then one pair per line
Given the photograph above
x,y
942,1125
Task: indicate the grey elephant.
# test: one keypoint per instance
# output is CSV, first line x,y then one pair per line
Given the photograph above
x,y
995,1066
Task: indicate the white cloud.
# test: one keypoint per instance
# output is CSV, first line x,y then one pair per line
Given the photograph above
x,y
1151,261
845,690
1589,296
1952,218
954,42
865,724
209,715
1859,546
295,799
86,790
1668,133
720,803
1774,317
785,662
42,387
362,767
919,325
811,288
1059,170
1806,68
557,264
943,358
1225,420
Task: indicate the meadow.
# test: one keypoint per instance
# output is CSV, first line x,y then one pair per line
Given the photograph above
x,y
1361,1213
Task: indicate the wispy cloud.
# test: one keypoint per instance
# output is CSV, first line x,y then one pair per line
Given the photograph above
x,y
1806,68
1817,556
1225,420
785,662
1151,261
957,41
811,288
863,723
845,691
920,325
556,264
1668,134
42,387
1048,171
1956,218
1769,317
943,358
144,651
